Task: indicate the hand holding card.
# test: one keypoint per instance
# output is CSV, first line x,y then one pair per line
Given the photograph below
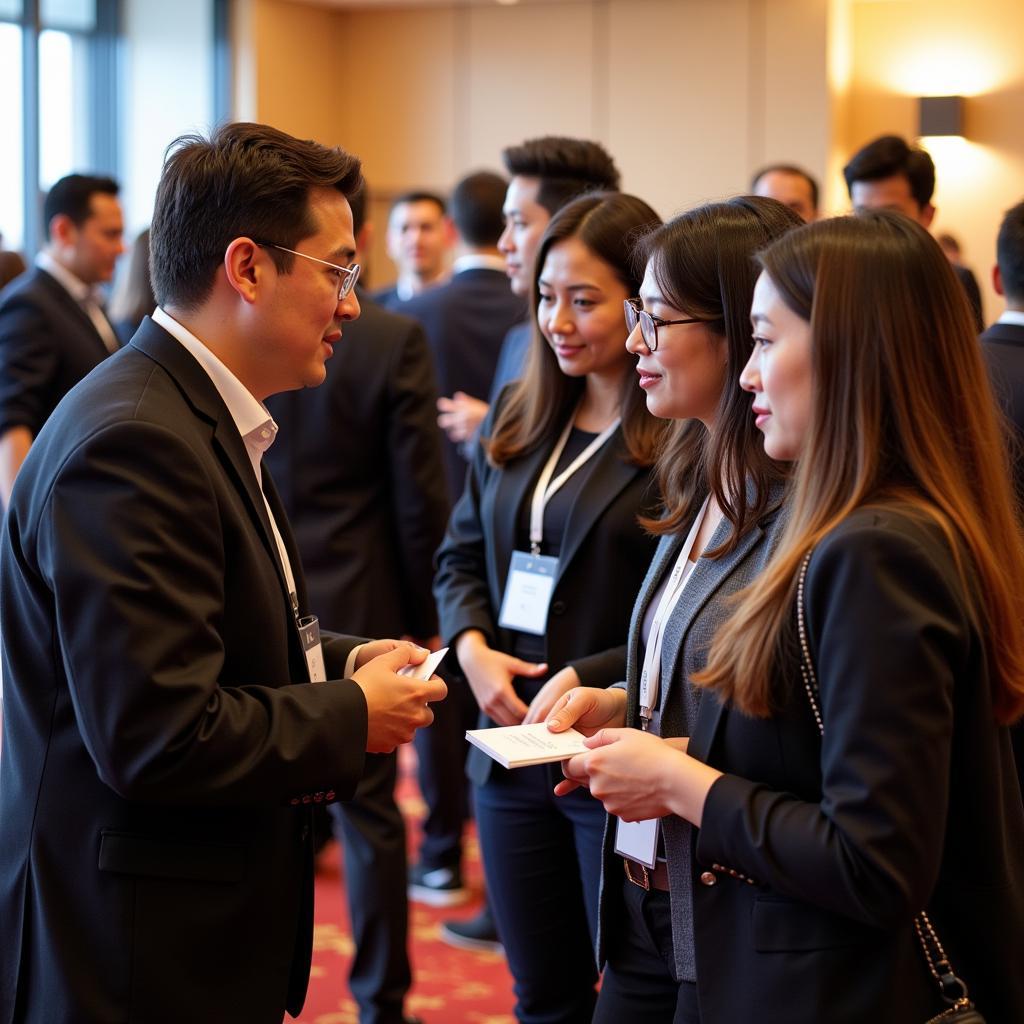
x,y
425,669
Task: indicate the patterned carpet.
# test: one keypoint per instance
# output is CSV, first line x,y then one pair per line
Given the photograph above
x,y
450,986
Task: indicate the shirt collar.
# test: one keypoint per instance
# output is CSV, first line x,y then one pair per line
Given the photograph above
x,y
251,417
478,261
71,283
1012,316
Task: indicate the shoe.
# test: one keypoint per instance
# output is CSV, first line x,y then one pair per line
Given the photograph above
x,y
437,887
477,933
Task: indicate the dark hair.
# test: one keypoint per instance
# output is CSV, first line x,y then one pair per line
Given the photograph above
x,y
420,196
476,208
902,413
72,197
608,224
566,167
11,266
1010,252
246,180
888,156
358,202
703,262
133,299
799,172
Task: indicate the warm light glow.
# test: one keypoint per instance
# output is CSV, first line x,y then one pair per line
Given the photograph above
x,y
946,68
959,163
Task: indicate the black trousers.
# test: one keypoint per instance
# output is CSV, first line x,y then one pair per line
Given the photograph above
x,y
372,834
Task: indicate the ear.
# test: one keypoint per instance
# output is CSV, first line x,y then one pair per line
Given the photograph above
x,y
63,230
997,281
450,234
245,268
927,215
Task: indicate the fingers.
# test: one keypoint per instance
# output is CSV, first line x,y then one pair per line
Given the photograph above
x,y
435,689
604,737
565,787
530,669
401,655
568,710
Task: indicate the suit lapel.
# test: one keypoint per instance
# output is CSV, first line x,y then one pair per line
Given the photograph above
x,y
74,309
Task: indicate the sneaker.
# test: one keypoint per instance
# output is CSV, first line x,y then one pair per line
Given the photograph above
x,y
437,887
477,933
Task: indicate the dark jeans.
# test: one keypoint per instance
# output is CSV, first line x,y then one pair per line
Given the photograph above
x,y
542,859
639,983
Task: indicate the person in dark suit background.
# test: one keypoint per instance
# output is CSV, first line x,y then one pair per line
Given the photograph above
x,y
162,742
887,174
133,298
358,467
52,329
419,239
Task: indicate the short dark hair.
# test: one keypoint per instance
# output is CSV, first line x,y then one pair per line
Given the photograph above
x,y
1010,252
476,208
246,179
889,156
419,196
566,167
72,196
788,169
358,201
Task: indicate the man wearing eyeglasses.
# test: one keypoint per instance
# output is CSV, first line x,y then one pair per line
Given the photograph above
x,y
172,713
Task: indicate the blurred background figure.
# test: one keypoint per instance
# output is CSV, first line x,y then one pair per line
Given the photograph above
x,y
133,297
790,185
420,239
11,266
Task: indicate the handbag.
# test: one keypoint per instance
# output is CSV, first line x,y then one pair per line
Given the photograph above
x,y
952,988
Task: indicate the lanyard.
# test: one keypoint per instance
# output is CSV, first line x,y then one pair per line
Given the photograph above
x,y
650,677
546,487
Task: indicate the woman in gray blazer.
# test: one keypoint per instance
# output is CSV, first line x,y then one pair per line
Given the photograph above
x,y
691,336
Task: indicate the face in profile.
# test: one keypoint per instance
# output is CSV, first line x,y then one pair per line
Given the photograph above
x,y
525,223
778,374
579,311
892,193
684,376
419,236
90,249
793,190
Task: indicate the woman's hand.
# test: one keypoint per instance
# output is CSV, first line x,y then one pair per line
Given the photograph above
x,y
490,674
638,775
588,708
557,686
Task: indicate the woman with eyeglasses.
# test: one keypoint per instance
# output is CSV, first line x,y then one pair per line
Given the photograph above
x,y
690,337
851,765
542,557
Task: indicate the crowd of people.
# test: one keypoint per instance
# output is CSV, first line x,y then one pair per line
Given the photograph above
x,y
738,496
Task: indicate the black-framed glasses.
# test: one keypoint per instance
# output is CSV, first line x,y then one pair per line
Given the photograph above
x,y
649,323
348,275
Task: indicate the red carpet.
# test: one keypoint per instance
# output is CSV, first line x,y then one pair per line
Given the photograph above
x,y
450,986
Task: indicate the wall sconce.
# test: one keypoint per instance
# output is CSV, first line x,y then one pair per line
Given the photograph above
x,y
940,115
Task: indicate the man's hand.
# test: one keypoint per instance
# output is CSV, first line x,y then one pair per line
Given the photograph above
x,y
396,705
490,674
460,416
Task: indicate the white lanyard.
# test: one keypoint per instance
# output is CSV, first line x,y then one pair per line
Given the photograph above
x,y
544,490
650,677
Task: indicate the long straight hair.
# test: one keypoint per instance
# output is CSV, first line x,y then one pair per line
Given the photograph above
x,y
608,224
703,262
902,413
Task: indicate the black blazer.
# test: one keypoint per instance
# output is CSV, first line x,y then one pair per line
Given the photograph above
x,y
466,320
1002,345
814,855
357,462
162,744
47,345
604,555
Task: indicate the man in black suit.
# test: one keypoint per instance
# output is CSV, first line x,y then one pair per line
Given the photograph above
x,y
52,329
887,174
163,744
358,467
419,241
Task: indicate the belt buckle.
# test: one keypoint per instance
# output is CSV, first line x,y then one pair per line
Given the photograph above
x,y
643,881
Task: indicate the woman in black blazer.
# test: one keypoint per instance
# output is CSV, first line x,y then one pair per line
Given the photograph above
x,y
542,855
853,773
722,521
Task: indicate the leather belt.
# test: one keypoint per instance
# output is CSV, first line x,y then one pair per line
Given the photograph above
x,y
647,878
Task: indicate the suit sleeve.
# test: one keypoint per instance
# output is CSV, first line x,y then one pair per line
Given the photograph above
x,y
133,550
602,669
28,361
888,634
418,493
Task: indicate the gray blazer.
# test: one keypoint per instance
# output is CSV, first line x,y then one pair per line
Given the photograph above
x,y
687,638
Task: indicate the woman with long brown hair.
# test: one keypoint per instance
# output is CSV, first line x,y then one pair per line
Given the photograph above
x,y
851,764
543,554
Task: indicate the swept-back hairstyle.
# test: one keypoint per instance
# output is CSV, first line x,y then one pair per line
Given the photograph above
x,y
246,179
608,224
566,168
703,262
901,412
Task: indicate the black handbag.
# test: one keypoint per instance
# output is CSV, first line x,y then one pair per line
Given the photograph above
x,y
952,988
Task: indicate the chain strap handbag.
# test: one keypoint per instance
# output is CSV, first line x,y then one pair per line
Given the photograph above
x,y
952,989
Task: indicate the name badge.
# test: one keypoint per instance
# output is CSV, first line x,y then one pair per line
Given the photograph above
x,y
531,581
638,840
309,637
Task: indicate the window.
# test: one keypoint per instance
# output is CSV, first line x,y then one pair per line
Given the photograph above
x,y
12,180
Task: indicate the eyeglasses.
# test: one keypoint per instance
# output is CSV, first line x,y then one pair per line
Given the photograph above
x,y
649,324
347,275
